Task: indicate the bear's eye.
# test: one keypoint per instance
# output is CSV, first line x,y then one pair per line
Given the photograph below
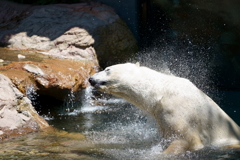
x,y
107,70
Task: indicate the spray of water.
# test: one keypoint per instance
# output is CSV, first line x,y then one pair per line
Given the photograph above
x,y
121,130
32,94
132,134
87,103
125,131
183,59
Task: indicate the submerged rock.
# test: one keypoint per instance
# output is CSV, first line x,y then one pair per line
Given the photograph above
x,y
17,115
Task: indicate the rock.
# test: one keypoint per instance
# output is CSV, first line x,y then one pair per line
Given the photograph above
x,y
52,77
33,69
11,14
17,115
21,56
77,31
116,47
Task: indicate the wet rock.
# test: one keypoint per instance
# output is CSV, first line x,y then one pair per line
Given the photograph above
x,y
33,69
52,77
17,115
21,56
117,47
77,31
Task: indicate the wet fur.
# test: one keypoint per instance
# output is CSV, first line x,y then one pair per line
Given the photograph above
x,y
177,105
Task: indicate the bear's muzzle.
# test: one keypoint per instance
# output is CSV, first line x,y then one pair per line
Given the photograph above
x,y
96,83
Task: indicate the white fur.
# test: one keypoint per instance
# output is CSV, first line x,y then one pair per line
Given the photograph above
x,y
178,106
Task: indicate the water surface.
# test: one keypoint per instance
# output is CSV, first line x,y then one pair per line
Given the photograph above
x,y
112,129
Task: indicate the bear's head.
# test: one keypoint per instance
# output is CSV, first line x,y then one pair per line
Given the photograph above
x,y
115,78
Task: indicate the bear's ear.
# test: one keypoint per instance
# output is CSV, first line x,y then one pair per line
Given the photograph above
x,y
138,64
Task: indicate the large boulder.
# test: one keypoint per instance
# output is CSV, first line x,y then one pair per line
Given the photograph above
x,y
72,37
17,115
74,31
46,76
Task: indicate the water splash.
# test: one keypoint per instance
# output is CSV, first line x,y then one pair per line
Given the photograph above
x,y
87,103
92,104
69,101
87,100
124,131
127,133
32,94
182,59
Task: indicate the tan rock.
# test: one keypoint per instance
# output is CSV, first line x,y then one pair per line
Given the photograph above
x,y
17,115
52,77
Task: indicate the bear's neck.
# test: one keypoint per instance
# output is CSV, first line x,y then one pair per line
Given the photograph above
x,y
144,89
140,96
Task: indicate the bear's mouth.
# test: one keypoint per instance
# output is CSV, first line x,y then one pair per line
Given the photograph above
x,y
96,83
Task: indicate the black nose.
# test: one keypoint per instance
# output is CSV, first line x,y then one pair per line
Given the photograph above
x,y
92,81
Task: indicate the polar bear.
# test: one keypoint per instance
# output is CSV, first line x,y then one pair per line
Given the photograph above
x,y
185,116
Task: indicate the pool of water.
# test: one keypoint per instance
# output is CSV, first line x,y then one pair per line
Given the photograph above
x,y
108,128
